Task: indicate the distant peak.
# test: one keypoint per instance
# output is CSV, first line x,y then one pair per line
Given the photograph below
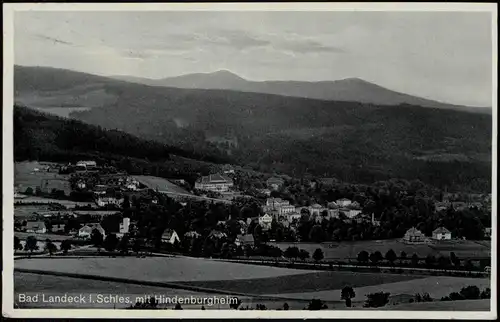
x,y
225,73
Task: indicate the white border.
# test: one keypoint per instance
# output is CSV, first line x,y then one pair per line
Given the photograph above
x,y
8,166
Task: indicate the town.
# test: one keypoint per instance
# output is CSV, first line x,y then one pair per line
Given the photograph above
x,y
247,218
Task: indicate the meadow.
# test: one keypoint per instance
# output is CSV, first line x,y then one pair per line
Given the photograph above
x,y
436,286
25,176
350,250
156,269
160,184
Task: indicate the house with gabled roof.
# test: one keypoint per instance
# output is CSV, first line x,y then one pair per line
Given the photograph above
x,y
170,236
441,233
37,227
86,231
414,236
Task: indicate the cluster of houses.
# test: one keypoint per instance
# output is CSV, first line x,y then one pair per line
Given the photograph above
x,y
415,236
285,213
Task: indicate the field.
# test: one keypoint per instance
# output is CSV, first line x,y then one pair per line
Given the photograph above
x,y
436,286
467,305
308,282
25,177
157,269
41,237
349,250
66,203
26,211
160,184
62,111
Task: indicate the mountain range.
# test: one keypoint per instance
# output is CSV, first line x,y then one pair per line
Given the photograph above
x,y
350,89
352,141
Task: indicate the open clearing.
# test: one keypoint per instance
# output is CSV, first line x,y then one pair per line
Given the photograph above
x,y
156,269
41,237
315,281
436,286
349,250
25,177
161,184
466,305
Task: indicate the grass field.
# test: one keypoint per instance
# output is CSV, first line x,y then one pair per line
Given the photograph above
x,y
25,177
41,237
158,269
436,286
346,250
25,211
466,305
160,184
315,281
66,203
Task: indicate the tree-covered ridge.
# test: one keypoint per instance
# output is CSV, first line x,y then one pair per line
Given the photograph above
x,y
37,134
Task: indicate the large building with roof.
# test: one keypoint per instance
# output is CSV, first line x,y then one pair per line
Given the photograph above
x,y
214,182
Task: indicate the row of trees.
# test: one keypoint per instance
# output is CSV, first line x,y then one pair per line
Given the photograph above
x,y
470,292
31,245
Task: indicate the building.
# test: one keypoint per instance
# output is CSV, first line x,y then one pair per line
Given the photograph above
x,y
191,234
227,169
275,183
344,202
217,234
266,192
85,165
265,221
243,240
276,202
333,213
58,228
487,232
214,182
37,227
86,231
316,209
350,213
414,236
293,216
441,233
124,226
170,236
459,205
108,201
441,205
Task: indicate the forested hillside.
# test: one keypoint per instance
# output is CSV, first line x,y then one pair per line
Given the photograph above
x,y
354,142
38,136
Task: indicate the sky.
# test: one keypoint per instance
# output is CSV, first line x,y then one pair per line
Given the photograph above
x,y
446,56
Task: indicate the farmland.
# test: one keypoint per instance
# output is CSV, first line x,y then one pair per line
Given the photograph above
x,y
465,305
313,281
161,184
349,250
156,269
436,286
25,177
41,237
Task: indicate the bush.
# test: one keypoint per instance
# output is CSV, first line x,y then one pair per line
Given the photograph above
x,y
378,299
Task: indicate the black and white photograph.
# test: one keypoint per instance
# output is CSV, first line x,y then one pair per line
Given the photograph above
x,y
248,160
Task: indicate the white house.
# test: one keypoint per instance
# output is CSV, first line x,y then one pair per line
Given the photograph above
x,y
316,209
37,227
214,182
344,202
265,221
170,236
86,231
441,233
414,236
125,225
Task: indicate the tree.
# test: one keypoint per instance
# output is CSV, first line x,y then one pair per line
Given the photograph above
x,y
455,296
378,299
286,307
110,242
317,234
415,260
29,191
291,252
471,292
486,294
17,243
316,305
31,244
376,257
96,239
363,256
403,255
178,307
430,260
318,255
50,246
123,244
137,245
443,262
347,294
65,246
391,256
303,254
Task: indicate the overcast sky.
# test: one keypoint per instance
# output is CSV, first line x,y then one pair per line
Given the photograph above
x,y
444,56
